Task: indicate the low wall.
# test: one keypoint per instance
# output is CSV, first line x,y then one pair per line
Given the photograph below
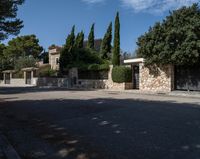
x,y
17,82
104,84
156,79
1,82
53,82
96,84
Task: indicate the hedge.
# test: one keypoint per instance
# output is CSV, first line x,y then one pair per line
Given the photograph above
x,y
121,74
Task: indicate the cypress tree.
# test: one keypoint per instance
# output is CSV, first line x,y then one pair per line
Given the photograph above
x,y
106,43
116,51
90,43
66,52
79,40
71,40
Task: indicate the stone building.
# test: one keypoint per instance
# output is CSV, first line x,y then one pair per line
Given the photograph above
x,y
54,53
54,56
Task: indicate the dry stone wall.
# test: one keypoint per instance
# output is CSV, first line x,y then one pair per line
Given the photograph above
x,y
156,78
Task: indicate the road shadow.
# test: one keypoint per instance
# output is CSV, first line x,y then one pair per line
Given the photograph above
x,y
21,90
108,128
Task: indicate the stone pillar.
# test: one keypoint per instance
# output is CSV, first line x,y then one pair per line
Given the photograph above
x,y
32,75
25,77
172,78
10,77
110,73
141,67
73,75
4,78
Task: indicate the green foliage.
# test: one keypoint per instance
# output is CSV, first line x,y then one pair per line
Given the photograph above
x,y
98,67
104,67
18,74
121,74
2,58
79,40
85,56
116,51
74,54
45,57
90,43
46,71
23,46
24,62
176,40
106,43
66,52
9,24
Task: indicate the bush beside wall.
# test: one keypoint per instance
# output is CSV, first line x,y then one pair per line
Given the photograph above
x,y
121,74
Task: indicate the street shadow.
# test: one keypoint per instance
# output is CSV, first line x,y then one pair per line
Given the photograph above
x,y
20,90
110,128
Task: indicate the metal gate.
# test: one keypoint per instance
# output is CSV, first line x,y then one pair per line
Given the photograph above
x,y
135,77
187,78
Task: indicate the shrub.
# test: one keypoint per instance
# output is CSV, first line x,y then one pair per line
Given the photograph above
x,y
98,67
104,67
24,62
47,72
93,67
18,74
121,74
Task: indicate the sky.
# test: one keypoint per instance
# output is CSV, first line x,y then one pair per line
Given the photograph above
x,y
51,20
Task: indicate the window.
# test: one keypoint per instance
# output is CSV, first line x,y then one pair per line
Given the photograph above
x,y
57,61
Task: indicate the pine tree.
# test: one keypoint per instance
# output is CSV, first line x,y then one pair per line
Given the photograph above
x,y
79,40
106,43
9,24
116,51
90,43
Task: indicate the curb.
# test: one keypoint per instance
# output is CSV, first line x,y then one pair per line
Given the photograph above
x,y
171,94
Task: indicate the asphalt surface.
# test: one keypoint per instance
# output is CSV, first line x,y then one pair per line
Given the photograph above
x,y
59,124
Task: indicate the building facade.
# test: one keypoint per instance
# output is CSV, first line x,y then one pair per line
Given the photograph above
x,y
54,57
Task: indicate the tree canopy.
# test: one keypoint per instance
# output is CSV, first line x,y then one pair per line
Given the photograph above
x,y
9,24
116,51
79,40
91,37
175,40
66,52
2,48
106,43
23,46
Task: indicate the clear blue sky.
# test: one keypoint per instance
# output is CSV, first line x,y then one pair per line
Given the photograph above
x,y
51,20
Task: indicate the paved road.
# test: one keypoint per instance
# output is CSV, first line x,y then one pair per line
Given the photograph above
x,y
59,124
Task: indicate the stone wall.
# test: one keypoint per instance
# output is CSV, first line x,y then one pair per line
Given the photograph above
x,y
104,84
18,82
53,82
156,79
94,84
1,82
